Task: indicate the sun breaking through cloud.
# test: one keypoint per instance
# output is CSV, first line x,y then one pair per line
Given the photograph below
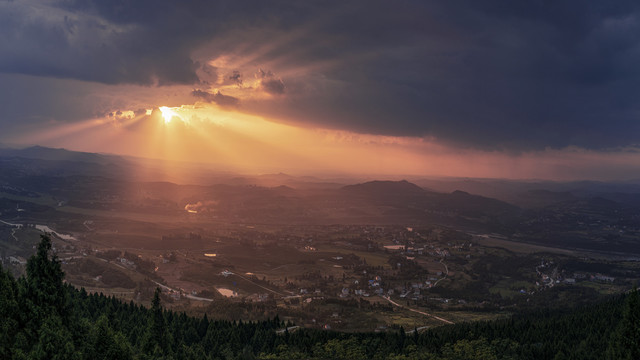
x,y
435,88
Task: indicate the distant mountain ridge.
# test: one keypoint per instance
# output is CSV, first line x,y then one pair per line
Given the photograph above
x,y
60,154
385,186
529,212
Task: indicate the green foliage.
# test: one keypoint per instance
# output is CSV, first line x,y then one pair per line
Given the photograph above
x,y
43,292
105,344
625,342
8,311
54,342
480,349
44,319
156,338
44,279
342,349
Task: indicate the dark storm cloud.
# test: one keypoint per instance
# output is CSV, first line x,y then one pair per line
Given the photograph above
x,y
269,83
486,74
217,97
492,75
49,41
138,42
273,86
236,77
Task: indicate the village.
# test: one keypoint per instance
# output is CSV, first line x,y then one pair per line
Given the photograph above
x,y
311,273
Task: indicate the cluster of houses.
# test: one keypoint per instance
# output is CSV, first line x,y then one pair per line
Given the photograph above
x,y
556,277
126,263
373,286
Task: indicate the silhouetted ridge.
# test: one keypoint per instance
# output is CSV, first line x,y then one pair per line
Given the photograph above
x,y
467,203
385,187
51,154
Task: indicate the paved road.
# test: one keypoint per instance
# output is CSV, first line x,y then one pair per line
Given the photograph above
x,y
188,296
249,280
418,329
13,231
10,224
446,269
289,329
417,311
446,273
87,225
192,297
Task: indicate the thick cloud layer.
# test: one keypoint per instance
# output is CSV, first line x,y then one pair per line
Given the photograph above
x,y
512,75
218,98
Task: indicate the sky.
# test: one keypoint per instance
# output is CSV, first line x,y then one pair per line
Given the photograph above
x,y
501,89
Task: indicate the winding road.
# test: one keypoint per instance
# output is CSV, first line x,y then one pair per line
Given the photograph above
x,y
258,285
10,224
446,272
192,297
13,231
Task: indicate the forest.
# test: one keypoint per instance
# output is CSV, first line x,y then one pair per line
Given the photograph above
x,y
45,318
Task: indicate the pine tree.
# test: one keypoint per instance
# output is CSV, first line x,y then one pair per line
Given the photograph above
x,y
44,282
55,342
103,343
157,337
8,312
41,295
626,339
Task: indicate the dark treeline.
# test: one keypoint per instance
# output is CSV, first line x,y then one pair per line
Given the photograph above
x,y
43,318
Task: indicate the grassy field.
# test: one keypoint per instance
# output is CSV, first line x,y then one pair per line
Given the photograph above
x,y
41,200
27,238
520,247
508,288
527,248
602,288
372,258
467,316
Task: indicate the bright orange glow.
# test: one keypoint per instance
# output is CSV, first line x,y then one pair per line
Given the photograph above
x,y
168,114
228,140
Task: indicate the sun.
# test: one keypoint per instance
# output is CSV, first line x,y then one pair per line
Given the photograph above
x,y
167,114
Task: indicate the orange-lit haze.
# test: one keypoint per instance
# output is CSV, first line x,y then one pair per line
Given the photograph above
x,y
227,139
